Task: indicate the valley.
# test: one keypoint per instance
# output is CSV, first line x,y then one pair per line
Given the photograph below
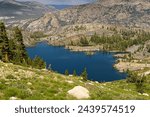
x,y
79,35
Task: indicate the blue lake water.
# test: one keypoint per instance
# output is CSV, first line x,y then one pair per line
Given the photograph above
x,y
60,7
99,66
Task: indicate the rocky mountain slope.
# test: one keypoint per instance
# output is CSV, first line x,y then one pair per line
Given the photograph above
x,y
128,13
15,10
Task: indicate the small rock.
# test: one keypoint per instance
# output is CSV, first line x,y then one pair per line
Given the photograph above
x,y
44,69
79,92
147,73
7,83
104,84
90,83
29,83
13,98
145,94
70,82
55,78
41,77
101,87
30,91
5,65
6,80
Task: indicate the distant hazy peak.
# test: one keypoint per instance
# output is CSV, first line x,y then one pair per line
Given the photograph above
x,y
120,1
22,9
15,1
10,1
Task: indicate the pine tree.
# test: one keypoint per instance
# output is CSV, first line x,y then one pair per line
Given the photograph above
x,y
84,75
84,41
12,47
66,72
38,63
74,73
21,54
140,84
1,38
4,44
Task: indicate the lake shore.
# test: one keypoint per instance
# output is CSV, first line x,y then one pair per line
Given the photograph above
x,y
88,48
83,48
121,66
61,59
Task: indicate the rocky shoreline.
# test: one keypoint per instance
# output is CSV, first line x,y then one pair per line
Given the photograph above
x,y
132,66
122,64
84,48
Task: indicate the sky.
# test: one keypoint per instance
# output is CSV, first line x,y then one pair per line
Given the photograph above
x,y
62,2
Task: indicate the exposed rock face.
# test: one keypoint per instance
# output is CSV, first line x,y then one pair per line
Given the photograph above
x,y
128,13
15,10
111,2
46,23
79,92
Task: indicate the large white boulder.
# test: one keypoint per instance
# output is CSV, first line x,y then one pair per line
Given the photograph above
x,y
79,92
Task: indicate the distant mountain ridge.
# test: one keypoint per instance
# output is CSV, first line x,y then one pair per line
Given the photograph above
x,y
127,13
120,1
12,9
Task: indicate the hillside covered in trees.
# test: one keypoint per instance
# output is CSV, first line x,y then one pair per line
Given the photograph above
x,y
118,41
13,50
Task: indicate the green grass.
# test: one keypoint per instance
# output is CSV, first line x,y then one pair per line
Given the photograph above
x,y
47,85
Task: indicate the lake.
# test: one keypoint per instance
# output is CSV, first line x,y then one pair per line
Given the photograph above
x,y
99,66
